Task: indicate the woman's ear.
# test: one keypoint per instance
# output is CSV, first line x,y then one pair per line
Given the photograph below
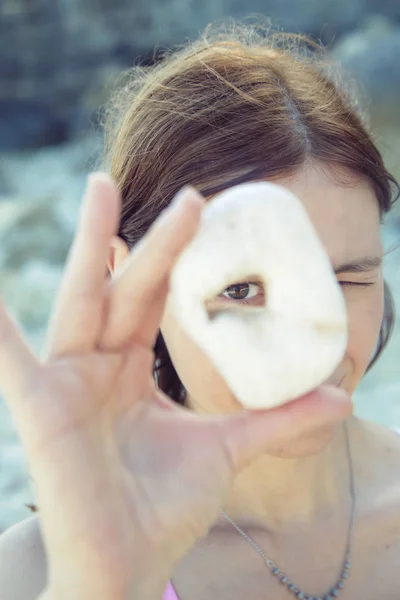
x,y
117,254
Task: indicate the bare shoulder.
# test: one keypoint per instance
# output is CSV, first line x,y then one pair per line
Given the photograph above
x,y
378,473
376,457
380,448
23,568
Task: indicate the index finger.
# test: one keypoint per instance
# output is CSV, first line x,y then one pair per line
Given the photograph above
x,y
138,293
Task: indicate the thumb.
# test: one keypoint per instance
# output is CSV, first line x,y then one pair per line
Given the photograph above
x,y
248,433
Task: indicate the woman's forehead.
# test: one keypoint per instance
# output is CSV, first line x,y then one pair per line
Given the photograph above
x,y
345,216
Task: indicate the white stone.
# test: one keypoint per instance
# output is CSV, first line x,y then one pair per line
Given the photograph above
x,y
273,354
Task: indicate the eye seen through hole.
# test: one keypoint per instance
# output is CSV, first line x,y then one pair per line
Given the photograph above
x,y
238,296
251,292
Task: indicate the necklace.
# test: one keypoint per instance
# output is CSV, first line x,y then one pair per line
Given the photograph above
x,y
284,579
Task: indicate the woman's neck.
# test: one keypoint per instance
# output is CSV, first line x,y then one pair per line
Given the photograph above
x,y
291,494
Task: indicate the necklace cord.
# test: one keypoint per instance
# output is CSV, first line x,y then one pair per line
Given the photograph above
x,y
334,591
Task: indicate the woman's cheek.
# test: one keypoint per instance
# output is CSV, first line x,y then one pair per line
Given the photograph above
x,y
207,390
365,312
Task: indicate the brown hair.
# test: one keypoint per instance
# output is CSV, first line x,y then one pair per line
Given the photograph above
x,y
241,103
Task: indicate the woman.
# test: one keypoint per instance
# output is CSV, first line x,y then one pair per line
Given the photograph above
x,y
135,490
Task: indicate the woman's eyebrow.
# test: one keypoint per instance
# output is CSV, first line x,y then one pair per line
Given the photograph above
x,y
359,266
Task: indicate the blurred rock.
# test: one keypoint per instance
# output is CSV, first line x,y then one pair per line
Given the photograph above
x,y
58,58
31,290
371,54
37,221
31,228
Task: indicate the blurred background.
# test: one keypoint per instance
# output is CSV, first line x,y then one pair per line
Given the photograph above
x,y
58,62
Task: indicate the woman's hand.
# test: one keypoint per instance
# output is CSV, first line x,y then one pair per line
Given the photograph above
x,y
126,479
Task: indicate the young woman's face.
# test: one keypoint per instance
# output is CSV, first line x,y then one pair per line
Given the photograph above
x,y
347,221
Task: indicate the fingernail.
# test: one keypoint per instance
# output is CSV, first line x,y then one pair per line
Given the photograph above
x,y
94,177
181,196
91,178
177,203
